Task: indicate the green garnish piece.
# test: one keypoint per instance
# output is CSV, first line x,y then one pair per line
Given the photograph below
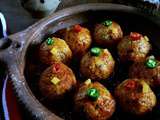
x,y
107,23
50,41
95,51
151,63
93,94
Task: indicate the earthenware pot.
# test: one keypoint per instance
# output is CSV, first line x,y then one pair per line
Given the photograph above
x,y
14,53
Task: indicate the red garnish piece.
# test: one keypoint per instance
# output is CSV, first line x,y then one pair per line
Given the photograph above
x,y
135,36
77,28
131,84
56,68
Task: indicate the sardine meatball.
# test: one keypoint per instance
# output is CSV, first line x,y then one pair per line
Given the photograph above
x,y
95,101
79,40
56,81
134,47
149,70
55,50
97,64
107,33
135,96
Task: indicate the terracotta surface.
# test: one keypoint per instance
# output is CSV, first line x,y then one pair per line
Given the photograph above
x,y
14,54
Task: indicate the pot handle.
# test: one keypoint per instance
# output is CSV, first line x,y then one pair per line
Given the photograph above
x,y
10,44
10,48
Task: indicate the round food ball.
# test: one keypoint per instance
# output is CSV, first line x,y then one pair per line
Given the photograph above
x,y
56,81
135,96
97,64
95,101
108,33
134,47
55,50
79,40
149,70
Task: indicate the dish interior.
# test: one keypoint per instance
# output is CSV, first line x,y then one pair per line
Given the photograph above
x,y
128,22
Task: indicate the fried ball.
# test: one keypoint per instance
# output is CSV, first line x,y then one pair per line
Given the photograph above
x,y
95,101
79,40
55,50
56,81
135,96
134,47
97,64
108,33
149,70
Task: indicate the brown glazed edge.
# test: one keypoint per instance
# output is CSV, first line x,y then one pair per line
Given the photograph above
x,y
14,56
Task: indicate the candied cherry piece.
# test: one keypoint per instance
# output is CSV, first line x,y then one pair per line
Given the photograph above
x,y
135,36
77,28
56,68
130,85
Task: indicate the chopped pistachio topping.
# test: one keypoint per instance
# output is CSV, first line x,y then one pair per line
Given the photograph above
x,y
151,63
55,80
93,94
107,23
95,51
50,41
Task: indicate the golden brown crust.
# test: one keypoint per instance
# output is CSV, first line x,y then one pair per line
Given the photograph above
x,y
62,52
99,67
79,42
133,50
151,76
64,74
107,36
102,108
135,93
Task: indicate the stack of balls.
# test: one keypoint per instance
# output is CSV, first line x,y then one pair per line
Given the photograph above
x,y
97,64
